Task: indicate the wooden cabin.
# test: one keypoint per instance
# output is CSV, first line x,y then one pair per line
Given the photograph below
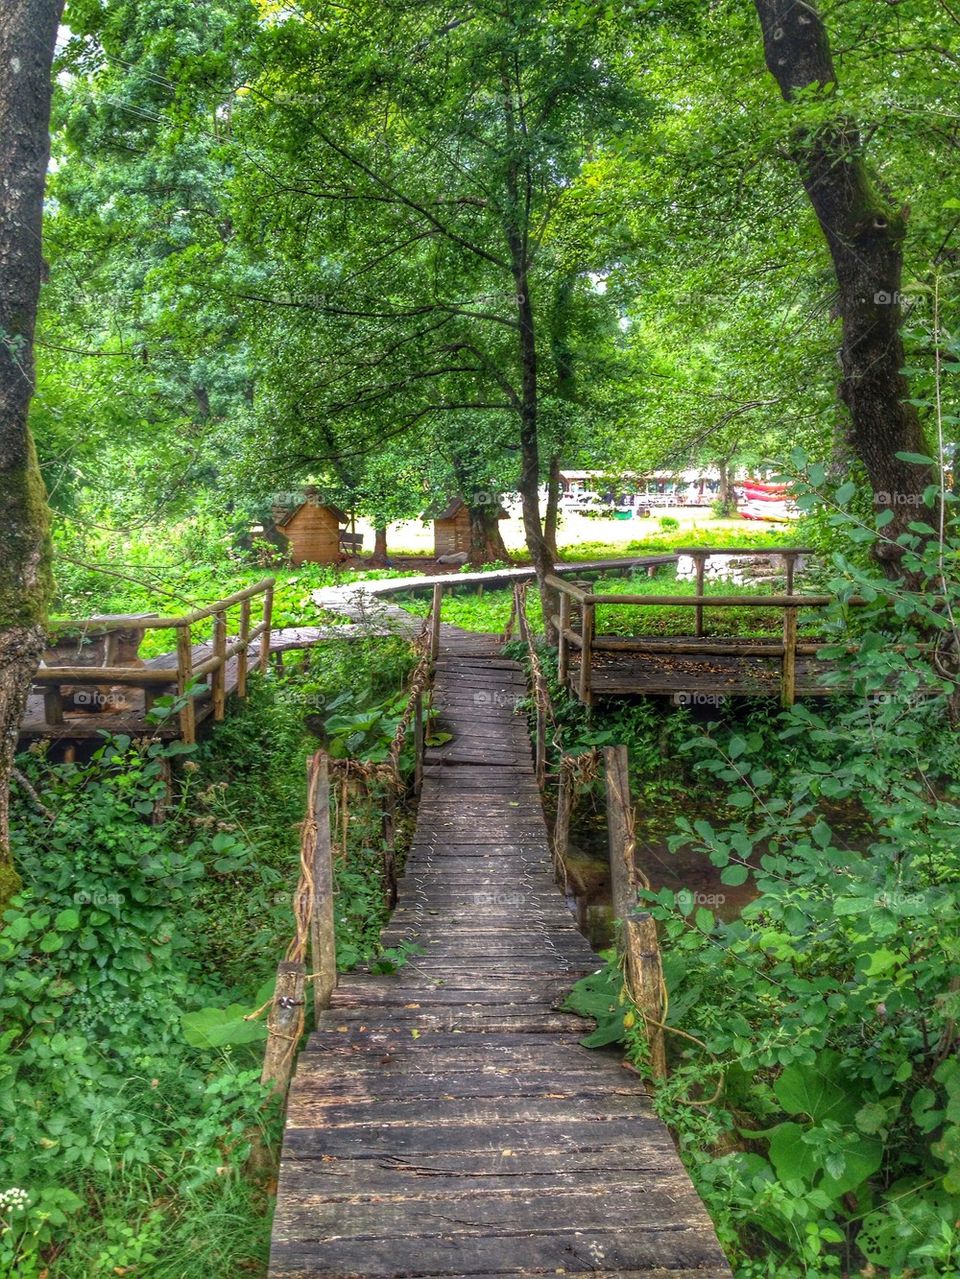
x,y
312,531
451,528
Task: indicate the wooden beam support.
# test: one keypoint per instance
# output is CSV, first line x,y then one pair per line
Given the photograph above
x,y
700,560
218,676
638,936
563,649
788,690
188,712
267,624
323,942
435,620
585,691
243,655
284,1025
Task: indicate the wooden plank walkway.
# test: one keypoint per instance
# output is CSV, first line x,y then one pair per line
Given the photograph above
x,y
446,1121
685,676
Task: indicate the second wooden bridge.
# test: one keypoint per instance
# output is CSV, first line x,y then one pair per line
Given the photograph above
x,y
446,1121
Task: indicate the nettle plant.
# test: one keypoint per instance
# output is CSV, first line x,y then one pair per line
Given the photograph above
x,y
97,1085
827,1013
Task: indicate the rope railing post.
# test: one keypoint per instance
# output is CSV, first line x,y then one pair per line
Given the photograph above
x,y
638,938
561,828
218,676
323,944
267,623
243,656
700,560
587,627
563,648
790,560
418,743
188,714
284,1025
435,621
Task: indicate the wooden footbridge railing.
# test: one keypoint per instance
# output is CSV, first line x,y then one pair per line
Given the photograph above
x,y
616,664
223,661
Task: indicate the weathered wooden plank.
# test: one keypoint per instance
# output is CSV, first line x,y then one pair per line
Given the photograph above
x,y
643,1246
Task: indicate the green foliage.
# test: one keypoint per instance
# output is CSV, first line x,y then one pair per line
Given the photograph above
x,y
828,1008
99,1094
130,962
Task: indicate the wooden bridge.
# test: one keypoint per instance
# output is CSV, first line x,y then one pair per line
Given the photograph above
x,y
446,1121
694,666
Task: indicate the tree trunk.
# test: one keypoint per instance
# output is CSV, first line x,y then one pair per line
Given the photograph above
x,y
28,32
486,540
379,557
552,514
724,492
865,238
519,201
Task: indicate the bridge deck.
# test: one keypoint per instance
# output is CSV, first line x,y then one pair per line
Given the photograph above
x,y
446,1121
687,676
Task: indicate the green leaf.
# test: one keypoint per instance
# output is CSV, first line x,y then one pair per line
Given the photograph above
x,y
51,942
67,920
217,1027
818,1090
734,874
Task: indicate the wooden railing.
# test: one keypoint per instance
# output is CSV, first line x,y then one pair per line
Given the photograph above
x,y
586,640
153,679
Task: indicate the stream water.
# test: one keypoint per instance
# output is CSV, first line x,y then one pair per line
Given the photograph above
x,y
685,871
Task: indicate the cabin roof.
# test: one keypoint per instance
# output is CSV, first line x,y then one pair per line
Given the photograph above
x,y
287,516
452,508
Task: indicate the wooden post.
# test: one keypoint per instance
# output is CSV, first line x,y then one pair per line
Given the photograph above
x,y
243,656
323,944
418,742
790,559
563,648
651,570
541,751
622,886
435,621
638,935
267,623
561,830
701,562
218,677
284,1025
53,704
646,973
188,712
788,688
586,653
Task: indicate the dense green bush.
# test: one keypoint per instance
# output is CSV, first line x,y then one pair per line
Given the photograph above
x,y
815,1081
132,1121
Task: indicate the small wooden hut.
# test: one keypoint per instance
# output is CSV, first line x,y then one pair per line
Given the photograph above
x,y
451,527
312,530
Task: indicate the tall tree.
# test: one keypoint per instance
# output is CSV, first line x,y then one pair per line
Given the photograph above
x,y
409,174
28,33
865,233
